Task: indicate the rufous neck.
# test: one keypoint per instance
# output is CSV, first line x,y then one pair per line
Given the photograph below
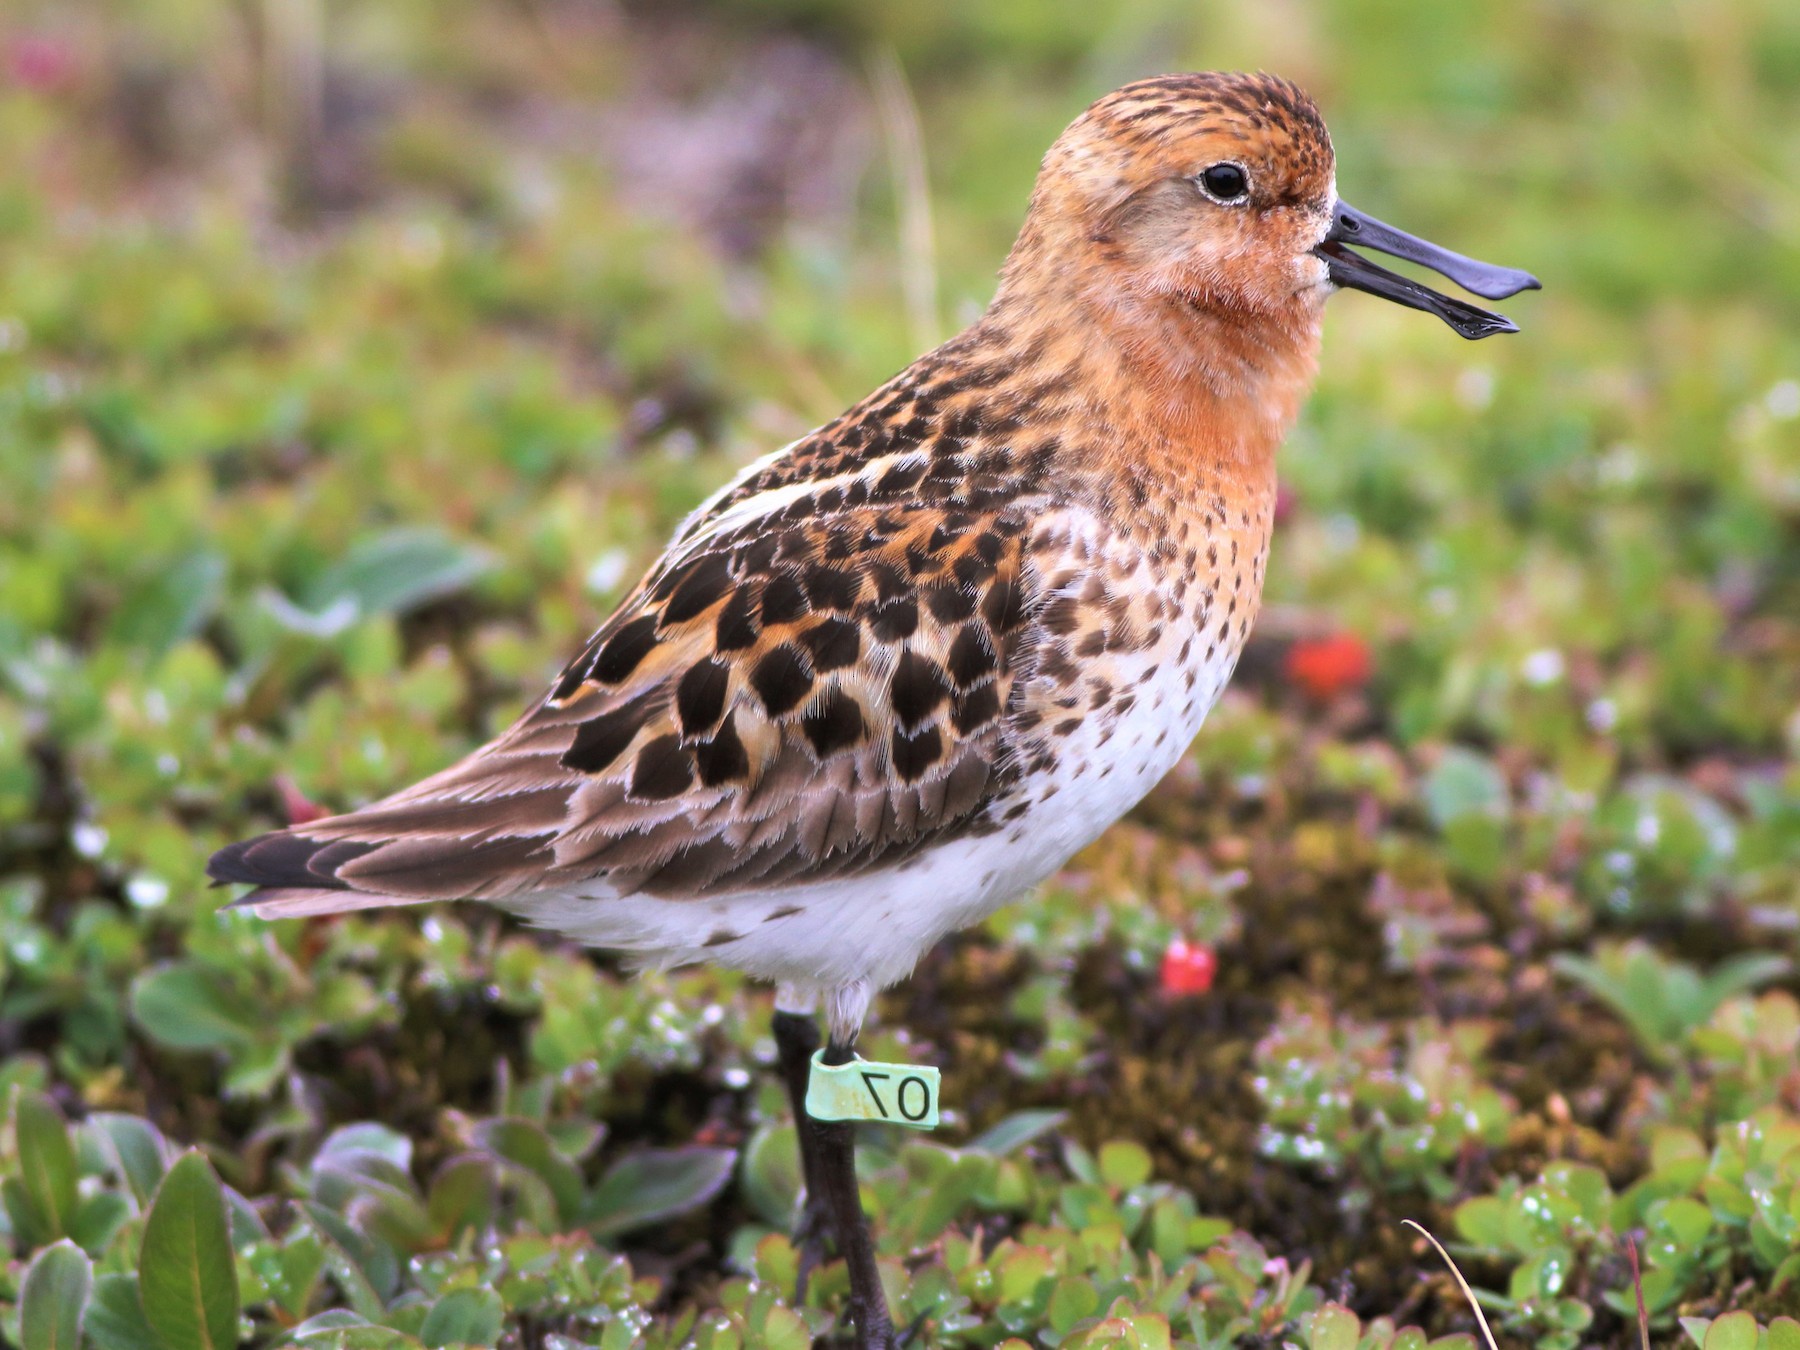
x,y
1173,378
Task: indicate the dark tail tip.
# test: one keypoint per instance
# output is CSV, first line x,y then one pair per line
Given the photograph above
x,y
285,859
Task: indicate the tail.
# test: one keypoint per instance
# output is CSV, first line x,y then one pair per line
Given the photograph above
x,y
419,846
296,876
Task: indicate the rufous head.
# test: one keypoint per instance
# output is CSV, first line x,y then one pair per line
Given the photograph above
x,y
1208,189
1209,201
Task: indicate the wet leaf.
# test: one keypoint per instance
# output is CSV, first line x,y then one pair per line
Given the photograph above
x,y
524,1144
1124,1164
772,1180
97,1218
53,1296
1464,783
174,602
464,1317
186,1007
461,1198
136,1147
41,1198
1016,1131
1335,1327
399,570
115,1316
1733,1331
187,1277
1071,1300
657,1184
364,1268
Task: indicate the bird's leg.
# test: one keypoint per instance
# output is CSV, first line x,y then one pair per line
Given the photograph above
x,y
796,1038
835,1145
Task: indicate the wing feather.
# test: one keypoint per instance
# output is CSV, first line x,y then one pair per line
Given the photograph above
x,y
804,693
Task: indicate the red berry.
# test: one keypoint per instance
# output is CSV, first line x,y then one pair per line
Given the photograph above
x,y
1326,667
1187,968
40,64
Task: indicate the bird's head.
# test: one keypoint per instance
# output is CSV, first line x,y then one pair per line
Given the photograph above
x,y
1215,196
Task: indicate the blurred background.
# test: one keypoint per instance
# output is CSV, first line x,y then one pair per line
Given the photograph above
x,y
356,355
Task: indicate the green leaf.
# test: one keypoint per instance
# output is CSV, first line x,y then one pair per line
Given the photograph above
x,y
97,1218
1080,1163
364,1269
1016,1131
46,1180
1671,1148
1783,1334
135,1147
462,1197
115,1316
173,603
1335,1327
1686,1221
342,1330
657,1184
399,570
1464,783
366,1137
1733,1331
332,1320
783,1329
776,1263
1124,1164
185,1007
255,1069
188,1280
1022,1272
289,1272
53,1297
772,1178
523,1143
369,1166
464,1317
1572,1314
1072,1299
1739,974
1483,1221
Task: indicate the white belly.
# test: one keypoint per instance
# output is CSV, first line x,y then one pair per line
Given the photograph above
x,y
871,929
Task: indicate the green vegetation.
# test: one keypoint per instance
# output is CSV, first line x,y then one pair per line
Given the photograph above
x,y
355,356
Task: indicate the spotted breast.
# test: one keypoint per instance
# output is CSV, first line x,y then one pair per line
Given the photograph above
x,y
881,682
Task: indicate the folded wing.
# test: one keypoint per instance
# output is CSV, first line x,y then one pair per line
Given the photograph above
x,y
813,682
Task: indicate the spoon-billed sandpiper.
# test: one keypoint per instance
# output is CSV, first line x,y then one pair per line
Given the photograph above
x,y
900,670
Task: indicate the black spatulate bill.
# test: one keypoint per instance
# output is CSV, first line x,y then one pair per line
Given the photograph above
x,y
1355,272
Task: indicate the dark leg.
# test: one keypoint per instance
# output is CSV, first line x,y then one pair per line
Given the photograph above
x,y
836,1152
796,1037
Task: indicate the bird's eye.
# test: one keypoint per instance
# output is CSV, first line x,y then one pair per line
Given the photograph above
x,y
1225,183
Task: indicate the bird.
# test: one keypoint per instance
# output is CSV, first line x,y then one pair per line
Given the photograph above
x,y
899,671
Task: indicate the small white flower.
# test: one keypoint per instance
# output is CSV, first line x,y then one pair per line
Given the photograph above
x,y
1542,667
1783,400
89,839
147,892
607,571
